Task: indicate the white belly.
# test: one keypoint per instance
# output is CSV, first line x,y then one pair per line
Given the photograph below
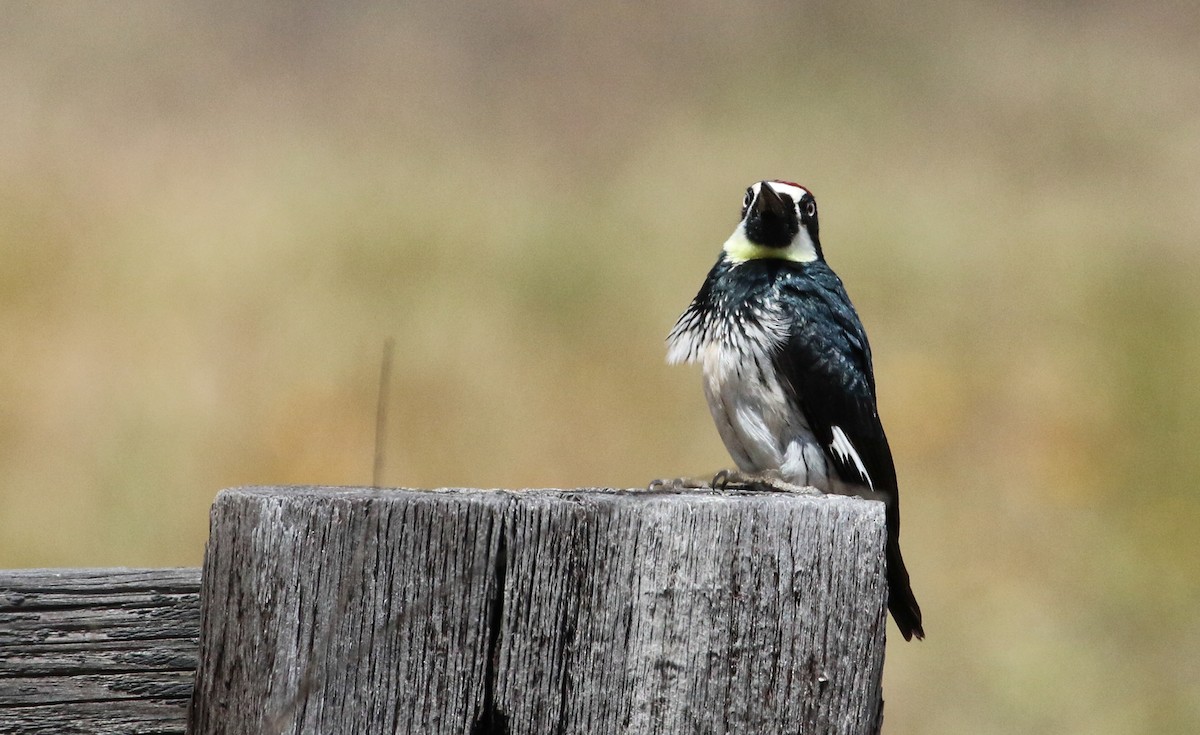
x,y
762,429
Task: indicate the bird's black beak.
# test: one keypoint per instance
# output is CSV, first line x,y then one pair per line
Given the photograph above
x,y
768,203
772,219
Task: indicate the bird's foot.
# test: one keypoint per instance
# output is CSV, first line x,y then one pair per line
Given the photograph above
x,y
677,484
769,481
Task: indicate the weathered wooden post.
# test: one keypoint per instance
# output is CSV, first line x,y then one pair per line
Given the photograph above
x,y
332,610
97,651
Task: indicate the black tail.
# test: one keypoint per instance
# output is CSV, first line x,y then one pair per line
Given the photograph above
x,y
901,602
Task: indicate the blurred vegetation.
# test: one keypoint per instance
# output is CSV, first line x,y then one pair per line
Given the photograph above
x,y
212,216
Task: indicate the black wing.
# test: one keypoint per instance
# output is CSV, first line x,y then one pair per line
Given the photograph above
x,y
826,364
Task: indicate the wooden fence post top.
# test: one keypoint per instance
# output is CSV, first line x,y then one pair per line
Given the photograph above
x,y
455,610
868,511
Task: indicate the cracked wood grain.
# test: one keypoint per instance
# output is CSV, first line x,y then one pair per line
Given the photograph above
x,y
330,610
97,650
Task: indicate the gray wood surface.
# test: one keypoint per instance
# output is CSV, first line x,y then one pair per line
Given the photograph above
x,y
334,610
97,650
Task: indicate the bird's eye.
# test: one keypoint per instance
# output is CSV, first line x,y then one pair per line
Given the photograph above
x,y
746,202
811,208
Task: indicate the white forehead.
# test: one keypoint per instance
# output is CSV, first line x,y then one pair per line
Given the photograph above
x,y
793,191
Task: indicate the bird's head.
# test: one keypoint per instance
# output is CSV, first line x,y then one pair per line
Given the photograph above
x,y
779,220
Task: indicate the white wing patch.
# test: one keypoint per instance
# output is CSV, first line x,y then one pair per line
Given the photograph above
x,y
845,451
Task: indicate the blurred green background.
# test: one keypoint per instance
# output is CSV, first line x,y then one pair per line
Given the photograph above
x,y
212,216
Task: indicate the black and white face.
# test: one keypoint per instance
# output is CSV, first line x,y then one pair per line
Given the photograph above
x,y
779,220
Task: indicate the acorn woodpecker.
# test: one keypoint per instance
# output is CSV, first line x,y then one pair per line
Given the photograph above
x,y
787,368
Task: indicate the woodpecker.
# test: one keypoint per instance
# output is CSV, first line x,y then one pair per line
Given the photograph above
x,y
787,368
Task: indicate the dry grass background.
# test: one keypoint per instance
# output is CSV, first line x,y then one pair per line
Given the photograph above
x,y
212,216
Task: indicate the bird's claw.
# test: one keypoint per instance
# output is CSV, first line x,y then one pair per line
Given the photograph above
x,y
780,485
762,482
731,481
676,484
